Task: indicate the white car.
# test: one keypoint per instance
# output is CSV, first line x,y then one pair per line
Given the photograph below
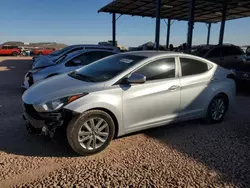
x,y
128,92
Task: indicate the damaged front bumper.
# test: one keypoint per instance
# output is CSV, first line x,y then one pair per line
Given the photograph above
x,y
45,123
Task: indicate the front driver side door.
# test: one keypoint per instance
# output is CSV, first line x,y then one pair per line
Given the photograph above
x,y
154,102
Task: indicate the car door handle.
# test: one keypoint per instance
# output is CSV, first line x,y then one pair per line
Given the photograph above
x,y
173,88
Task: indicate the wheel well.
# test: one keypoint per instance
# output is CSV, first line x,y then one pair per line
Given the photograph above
x,y
112,116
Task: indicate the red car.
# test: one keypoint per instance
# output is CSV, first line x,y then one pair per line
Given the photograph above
x,y
43,51
9,50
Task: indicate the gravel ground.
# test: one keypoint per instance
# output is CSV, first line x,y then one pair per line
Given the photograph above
x,y
181,155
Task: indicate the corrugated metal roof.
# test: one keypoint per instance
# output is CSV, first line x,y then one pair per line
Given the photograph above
x,y
205,10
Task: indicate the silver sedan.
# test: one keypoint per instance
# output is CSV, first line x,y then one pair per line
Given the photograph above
x,y
128,92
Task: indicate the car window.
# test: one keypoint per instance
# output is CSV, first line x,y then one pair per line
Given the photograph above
x,y
90,57
215,52
159,69
192,66
231,50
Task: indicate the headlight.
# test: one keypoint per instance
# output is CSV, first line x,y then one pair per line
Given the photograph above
x,y
57,104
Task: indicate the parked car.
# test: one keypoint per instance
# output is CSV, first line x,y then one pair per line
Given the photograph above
x,y
43,51
128,92
228,56
54,56
46,68
246,50
9,50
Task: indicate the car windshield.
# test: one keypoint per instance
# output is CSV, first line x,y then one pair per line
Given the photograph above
x,y
67,57
106,68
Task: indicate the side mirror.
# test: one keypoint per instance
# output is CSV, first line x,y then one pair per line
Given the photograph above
x,y
136,78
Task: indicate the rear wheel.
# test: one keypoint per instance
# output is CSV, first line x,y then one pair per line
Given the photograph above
x,y
91,132
15,54
217,109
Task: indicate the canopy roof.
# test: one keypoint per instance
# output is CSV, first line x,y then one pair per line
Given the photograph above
x,y
205,10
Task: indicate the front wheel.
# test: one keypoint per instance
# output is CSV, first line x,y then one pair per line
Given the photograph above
x,y
91,132
217,109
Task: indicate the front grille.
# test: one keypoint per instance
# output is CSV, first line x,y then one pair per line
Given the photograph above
x,y
30,110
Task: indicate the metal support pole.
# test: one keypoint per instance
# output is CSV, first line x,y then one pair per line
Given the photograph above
x,y
113,29
157,24
208,33
190,24
223,21
168,33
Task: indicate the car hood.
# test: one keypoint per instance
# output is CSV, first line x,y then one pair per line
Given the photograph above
x,y
58,87
43,61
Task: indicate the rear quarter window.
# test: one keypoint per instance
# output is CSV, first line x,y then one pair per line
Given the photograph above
x,y
193,66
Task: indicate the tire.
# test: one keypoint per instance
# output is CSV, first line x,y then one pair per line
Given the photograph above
x,y
78,124
215,105
14,54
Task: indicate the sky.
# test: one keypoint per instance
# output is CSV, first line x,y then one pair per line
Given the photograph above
x,y
77,21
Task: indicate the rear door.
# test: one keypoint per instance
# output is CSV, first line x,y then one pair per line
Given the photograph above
x,y
194,79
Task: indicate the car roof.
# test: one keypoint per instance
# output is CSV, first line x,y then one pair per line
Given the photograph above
x,y
93,45
152,53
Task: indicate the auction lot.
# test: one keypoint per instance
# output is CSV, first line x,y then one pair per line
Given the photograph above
x,y
188,154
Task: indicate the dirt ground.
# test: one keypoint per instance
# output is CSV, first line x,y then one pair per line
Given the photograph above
x,y
187,154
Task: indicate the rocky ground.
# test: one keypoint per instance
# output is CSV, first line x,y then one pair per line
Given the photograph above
x,y
181,155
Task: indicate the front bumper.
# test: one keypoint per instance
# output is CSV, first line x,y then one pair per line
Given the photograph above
x,y
47,122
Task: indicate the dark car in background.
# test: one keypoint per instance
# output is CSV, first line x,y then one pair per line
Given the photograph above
x,y
228,56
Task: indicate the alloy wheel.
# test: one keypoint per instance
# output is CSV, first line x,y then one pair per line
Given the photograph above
x,y
93,133
218,109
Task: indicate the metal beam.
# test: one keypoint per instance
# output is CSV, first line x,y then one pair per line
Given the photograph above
x,y
208,33
168,33
157,24
190,24
113,29
223,21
